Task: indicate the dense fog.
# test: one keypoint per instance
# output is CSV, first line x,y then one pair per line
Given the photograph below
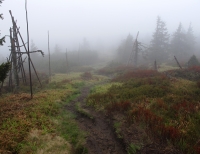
x,y
89,32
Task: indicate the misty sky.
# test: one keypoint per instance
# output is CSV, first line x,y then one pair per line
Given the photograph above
x,y
103,22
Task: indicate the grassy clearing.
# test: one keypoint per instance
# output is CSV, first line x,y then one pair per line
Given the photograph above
x,y
103,88
61,77
76,76
41,124
163,67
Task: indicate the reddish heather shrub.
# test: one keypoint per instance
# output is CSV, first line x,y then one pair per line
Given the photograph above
x,y
123,107
170,132
161,104
108,70
65,81
154,123
194,68
136,74
86,76
197,149
184,106
198,83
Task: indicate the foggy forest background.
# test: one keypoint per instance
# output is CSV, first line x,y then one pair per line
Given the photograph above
x,y
162,47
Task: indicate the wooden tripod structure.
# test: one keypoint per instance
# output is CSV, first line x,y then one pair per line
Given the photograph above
x,y
16,59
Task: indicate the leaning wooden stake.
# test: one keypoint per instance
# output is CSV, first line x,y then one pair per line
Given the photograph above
x,y
178,62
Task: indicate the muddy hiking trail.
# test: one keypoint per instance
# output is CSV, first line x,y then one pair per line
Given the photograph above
x,y
101,138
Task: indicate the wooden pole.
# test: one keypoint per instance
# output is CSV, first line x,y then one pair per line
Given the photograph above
x,y
155,66
49,60
67,63
14,60
78,54
29,59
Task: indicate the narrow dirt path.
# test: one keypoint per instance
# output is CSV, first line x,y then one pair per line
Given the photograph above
x,y
101,138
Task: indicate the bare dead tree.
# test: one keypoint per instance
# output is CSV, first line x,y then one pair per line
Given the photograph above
x,y
133,57
137,47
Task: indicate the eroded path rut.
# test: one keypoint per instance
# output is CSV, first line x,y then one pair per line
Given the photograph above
x,y
101,138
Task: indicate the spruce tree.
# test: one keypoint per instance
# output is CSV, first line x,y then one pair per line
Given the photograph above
x,y
4,67
178,42
190,40
193,61
125,48
183,43
160,41
2,40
